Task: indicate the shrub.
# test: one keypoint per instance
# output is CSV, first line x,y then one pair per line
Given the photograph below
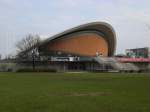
x,y
36,70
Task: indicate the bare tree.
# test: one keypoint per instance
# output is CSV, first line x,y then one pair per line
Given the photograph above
x,y
30,41
27,45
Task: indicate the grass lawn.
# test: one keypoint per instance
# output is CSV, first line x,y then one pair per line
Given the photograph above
x,y
74,92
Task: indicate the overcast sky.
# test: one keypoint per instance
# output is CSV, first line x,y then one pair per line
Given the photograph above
x,y
130,19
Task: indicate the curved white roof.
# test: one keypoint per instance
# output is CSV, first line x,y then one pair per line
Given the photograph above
x,y
99,27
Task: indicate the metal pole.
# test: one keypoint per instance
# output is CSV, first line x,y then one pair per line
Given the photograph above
x,y
33,60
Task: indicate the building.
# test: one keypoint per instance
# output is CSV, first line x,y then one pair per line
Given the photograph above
x,y
139,52
139,57
76,48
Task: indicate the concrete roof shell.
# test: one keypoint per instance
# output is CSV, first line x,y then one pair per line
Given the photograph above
x,y
99,27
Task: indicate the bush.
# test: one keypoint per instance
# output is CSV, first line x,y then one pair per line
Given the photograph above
x,y
7,67
36,70
3,67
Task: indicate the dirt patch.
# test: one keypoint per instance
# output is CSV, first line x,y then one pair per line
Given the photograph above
x,y
90,94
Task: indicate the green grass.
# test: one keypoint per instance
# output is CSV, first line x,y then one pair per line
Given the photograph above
x,y
82,92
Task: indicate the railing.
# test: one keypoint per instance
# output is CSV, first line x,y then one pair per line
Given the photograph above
x,y
116,64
